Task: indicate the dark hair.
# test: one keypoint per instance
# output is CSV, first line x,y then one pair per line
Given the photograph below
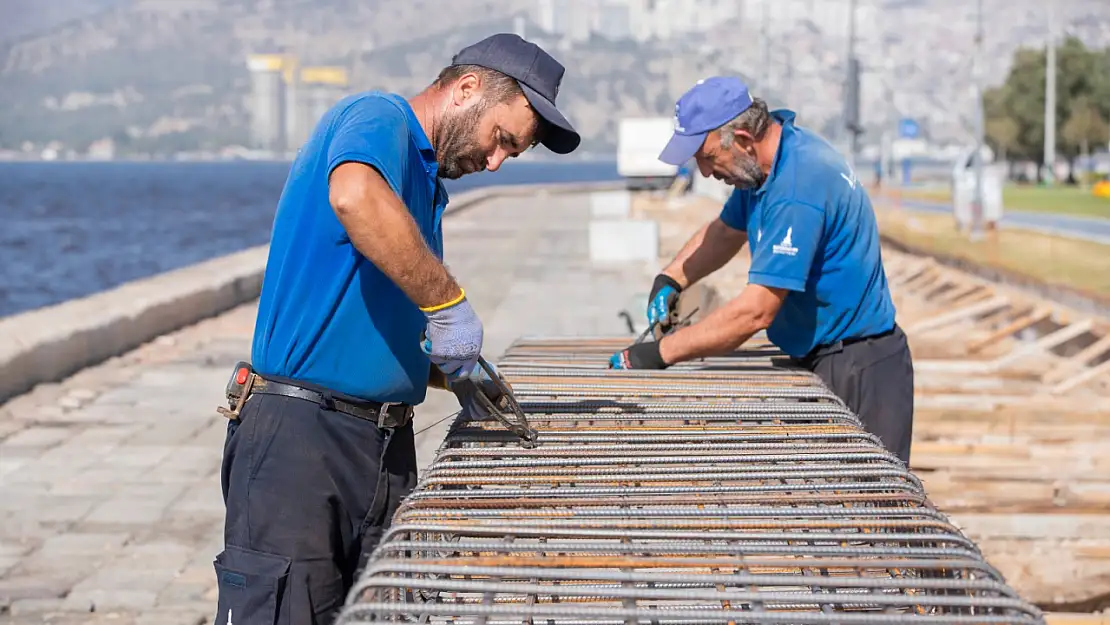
x,y
498,87
755,120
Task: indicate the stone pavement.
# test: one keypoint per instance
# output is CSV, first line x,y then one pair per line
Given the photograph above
x,y
110,506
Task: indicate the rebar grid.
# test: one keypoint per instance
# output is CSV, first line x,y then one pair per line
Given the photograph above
x,y
729,490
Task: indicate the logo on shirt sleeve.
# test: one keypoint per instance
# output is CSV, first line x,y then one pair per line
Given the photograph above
x,y
786,246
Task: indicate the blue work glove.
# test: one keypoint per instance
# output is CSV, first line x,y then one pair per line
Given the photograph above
x,y
663,301
639,356
453,338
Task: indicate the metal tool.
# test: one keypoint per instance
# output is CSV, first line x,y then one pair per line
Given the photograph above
x,y
506,403
675,324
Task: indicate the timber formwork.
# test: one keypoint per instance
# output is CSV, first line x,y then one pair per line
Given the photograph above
x,y
729,490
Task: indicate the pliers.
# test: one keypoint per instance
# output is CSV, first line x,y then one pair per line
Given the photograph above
x,y
506,403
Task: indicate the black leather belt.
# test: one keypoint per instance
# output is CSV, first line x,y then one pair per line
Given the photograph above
x,y
832,348
244,382
385,415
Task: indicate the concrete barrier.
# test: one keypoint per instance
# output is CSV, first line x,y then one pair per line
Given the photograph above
x,y
48,344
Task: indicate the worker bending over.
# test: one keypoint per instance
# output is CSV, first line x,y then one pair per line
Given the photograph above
x,y
322,452
816,282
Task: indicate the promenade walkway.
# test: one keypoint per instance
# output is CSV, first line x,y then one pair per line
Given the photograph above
x,y
110,506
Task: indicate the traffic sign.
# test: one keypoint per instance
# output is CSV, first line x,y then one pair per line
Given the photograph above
x,y
908,128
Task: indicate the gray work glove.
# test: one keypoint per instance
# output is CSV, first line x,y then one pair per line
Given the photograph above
x,y
453,339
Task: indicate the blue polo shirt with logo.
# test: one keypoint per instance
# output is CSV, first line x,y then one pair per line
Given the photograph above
x,y
812,231
327,315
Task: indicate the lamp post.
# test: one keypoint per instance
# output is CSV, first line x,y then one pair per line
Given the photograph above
x,y
980,124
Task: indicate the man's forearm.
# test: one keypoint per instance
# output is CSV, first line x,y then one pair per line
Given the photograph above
x,y
726,328
707,251
381,229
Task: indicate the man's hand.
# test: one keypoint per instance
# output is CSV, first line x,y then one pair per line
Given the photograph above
x,y
453,338
478,377
638,356
663,301
467,387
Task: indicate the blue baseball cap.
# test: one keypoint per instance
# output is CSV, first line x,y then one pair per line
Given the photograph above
x,y
708,105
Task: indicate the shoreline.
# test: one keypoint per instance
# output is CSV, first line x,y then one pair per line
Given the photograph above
x,y
47,344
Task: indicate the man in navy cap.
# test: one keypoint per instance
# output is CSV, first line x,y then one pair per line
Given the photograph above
x,y
357,317
816,281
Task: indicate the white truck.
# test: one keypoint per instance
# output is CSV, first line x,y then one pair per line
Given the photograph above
x,y
639,141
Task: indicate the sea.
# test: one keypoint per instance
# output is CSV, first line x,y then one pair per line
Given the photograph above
x,y
70,229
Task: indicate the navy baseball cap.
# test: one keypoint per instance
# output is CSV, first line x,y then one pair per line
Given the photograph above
x,y
708,105
538,75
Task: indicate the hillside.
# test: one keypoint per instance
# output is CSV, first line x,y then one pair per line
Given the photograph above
x,y
168,75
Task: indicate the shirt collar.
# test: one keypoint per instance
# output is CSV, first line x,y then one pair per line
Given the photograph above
x,y
427,152
785,117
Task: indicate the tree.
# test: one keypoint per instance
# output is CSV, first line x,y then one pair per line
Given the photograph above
x,y
1084,126
1080,73
1002,133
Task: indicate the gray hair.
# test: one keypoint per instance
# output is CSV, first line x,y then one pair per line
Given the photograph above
x,y
755,120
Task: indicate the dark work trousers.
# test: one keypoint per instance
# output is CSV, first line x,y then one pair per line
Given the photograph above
x,y
874,377
308,492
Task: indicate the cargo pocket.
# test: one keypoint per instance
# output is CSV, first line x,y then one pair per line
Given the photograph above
x,y
251,584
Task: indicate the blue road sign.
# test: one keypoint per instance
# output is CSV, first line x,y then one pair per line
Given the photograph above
x,y
908,128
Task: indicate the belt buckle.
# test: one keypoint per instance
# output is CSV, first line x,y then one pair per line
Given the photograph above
x,y
383,412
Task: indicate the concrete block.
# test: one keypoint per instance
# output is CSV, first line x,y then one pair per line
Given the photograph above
x,y
50,343
626,240
610,204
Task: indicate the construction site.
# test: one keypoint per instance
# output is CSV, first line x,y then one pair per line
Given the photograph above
x,y
739,489
726,490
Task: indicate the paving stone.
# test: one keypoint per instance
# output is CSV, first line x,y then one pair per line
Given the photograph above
x,y
132,508
177,616
169,431
36,437
10,464
100,600
204,498
137,456
77,544
48,585
37,606
59,509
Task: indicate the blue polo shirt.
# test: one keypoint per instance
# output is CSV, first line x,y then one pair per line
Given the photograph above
x,y
327,315
812,231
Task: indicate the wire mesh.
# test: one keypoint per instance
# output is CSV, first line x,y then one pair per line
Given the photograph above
x,y
728,490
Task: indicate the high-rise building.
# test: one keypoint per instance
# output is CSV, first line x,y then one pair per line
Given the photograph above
x,y
320,88
267,101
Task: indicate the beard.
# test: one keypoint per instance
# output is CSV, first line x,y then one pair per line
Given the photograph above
x,y
459,152
744,173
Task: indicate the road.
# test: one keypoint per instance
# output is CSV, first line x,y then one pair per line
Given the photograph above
x,y
1087,228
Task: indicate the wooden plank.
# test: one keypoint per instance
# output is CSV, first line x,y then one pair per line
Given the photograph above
x,y
1076,618
1013,327
1035,526
1081,378
959,314
1078,361
965,293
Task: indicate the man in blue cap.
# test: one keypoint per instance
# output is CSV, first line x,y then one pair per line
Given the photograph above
x,y
816,282
357,317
